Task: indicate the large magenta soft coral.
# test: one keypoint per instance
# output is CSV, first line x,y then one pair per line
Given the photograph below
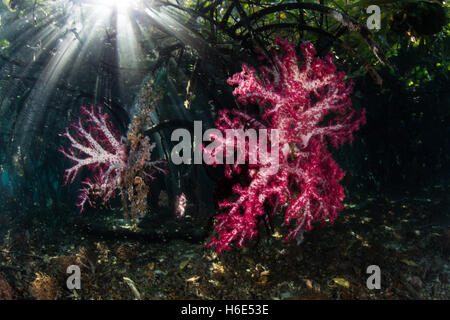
x,y
309,106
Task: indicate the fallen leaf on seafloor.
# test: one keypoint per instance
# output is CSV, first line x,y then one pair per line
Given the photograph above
x,y
409,263
262,280
183,264
396,235
218,268
193,279
436,234
342,282
214,282
265,273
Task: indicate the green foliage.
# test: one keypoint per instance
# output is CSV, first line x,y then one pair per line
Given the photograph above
x,y
11,4
424,18
4,44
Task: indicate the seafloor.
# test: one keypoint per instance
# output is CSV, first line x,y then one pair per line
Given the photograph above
x,y
408,237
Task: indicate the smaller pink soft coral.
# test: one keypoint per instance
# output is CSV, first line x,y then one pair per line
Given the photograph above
x,y
98,148
180,205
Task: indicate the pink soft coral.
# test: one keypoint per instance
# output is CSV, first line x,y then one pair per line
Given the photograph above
x,y
295,101
114,164
100,149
